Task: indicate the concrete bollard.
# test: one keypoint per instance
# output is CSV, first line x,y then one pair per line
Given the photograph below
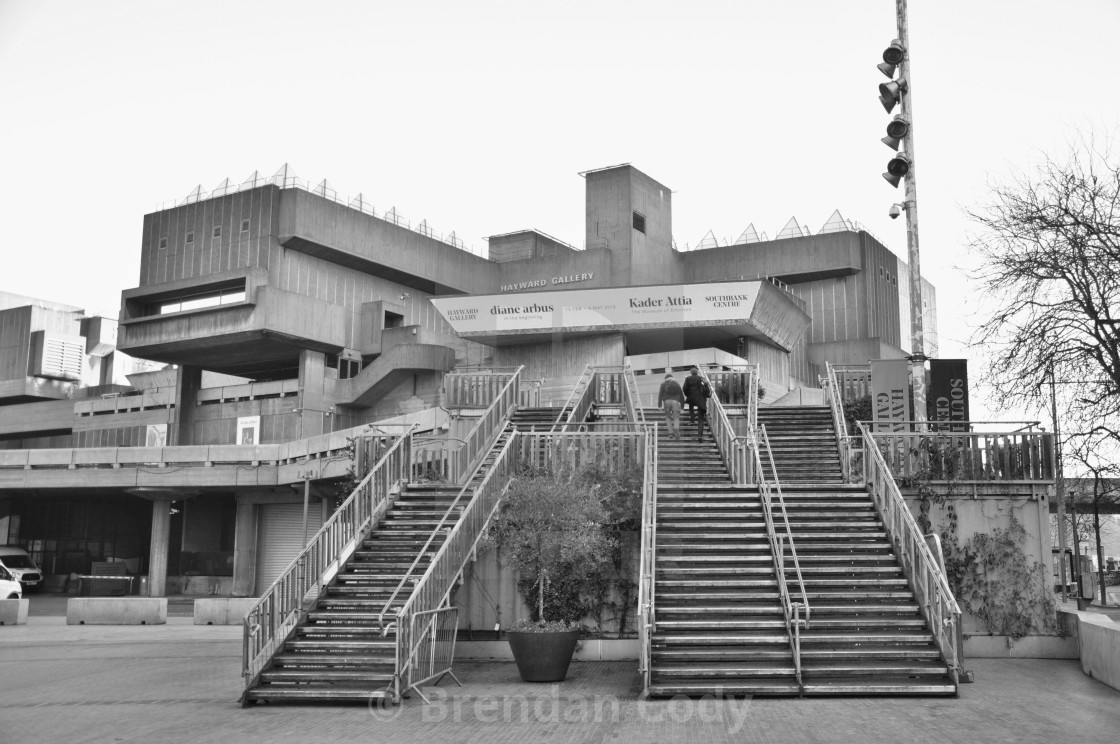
x,y
13,611
222,610
116,611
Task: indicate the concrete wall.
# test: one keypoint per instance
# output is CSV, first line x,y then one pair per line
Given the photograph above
x,y
984,509
1098,644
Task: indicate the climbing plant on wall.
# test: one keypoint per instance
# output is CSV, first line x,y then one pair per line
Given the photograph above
x,y
989,573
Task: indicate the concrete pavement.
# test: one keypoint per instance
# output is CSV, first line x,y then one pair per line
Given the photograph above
x,y
180,683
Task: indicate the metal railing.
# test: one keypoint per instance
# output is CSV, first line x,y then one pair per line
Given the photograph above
x,y
474,389
603,386
734,448
432,591
529,394
779,540
578,398
273,617
845,443
433,651
481,438
928,581
286,179
631,399
647,599
966,456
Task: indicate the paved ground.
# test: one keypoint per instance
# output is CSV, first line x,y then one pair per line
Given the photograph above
x,y
180,683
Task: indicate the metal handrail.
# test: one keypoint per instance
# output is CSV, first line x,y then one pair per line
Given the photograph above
x,y
647,605
433,589
579,391
732,447
753,378
792,610
631,399
276,613
930,585
839,422
481,438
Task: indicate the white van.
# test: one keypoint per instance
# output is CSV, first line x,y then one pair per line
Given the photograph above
x,y
22,568
9,587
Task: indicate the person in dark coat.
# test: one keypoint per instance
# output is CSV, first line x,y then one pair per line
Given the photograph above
x,y
694,386
671,398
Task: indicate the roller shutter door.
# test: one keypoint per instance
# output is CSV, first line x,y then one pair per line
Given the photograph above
x,y
280,537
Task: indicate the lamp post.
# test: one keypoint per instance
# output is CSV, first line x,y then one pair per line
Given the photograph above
x,y
900,137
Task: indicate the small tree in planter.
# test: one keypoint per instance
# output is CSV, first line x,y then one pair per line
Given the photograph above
x,y
555,530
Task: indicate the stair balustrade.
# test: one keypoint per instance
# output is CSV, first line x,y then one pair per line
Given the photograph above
x,y
647,601
631,399
734,448
778,542
845,443
921,568
274,616
578,400
482,437
429,595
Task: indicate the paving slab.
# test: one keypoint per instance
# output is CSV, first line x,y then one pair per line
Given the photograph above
x,y
180,683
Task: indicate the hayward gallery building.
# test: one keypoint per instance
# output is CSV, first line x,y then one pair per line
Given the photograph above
x,y
273,311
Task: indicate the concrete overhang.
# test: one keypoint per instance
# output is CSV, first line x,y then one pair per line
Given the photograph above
x,y
703,311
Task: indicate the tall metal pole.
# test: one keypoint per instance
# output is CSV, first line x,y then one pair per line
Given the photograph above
x,y
917,331
1061,484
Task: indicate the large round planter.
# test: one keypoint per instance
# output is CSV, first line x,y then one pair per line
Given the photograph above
x,y
543,657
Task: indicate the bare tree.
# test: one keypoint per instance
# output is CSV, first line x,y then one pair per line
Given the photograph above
x,y
1049,250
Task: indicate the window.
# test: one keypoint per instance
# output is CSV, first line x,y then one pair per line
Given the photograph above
x,y
217,231
639,222
190,237
244,225
198,301
163,242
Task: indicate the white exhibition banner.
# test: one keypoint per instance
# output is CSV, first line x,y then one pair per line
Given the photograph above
x,y
717,303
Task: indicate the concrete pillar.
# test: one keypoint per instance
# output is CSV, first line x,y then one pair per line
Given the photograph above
x,y
245,550
312,403
161,541
188,381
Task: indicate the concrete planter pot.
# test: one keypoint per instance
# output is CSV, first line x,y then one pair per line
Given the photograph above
x,y
543,657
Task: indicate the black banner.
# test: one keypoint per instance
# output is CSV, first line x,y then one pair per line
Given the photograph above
x,y
948,392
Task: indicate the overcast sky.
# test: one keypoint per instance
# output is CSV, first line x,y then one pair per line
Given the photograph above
x,y
478,115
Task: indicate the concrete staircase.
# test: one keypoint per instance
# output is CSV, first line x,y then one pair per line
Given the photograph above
x,y
803,442
867,635
686,460
338,653
720,628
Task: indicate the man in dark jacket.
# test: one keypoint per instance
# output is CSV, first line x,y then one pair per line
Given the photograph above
x,y
671,398
697,398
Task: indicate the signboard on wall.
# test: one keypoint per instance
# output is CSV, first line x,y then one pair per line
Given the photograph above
x,y
248,430
156,435
890,394
948,392
729,303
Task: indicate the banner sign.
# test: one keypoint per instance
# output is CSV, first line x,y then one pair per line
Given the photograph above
x,y
722,303
890,393
948,392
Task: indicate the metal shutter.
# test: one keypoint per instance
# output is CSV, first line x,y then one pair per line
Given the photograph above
x,y
280,537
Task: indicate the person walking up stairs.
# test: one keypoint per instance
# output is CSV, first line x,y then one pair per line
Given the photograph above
x,y
670,398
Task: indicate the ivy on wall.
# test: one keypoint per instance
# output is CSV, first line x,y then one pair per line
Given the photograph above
x,y
990,574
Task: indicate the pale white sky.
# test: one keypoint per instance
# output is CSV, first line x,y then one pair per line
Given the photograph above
x,y
478,115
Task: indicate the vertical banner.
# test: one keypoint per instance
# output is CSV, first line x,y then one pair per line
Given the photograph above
x,y
890,394
948,393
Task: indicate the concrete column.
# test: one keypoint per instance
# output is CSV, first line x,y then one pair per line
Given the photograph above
x,y
161,540
312,403
245,551
188,381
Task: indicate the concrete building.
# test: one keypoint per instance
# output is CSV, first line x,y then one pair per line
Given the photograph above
x,y
273,312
